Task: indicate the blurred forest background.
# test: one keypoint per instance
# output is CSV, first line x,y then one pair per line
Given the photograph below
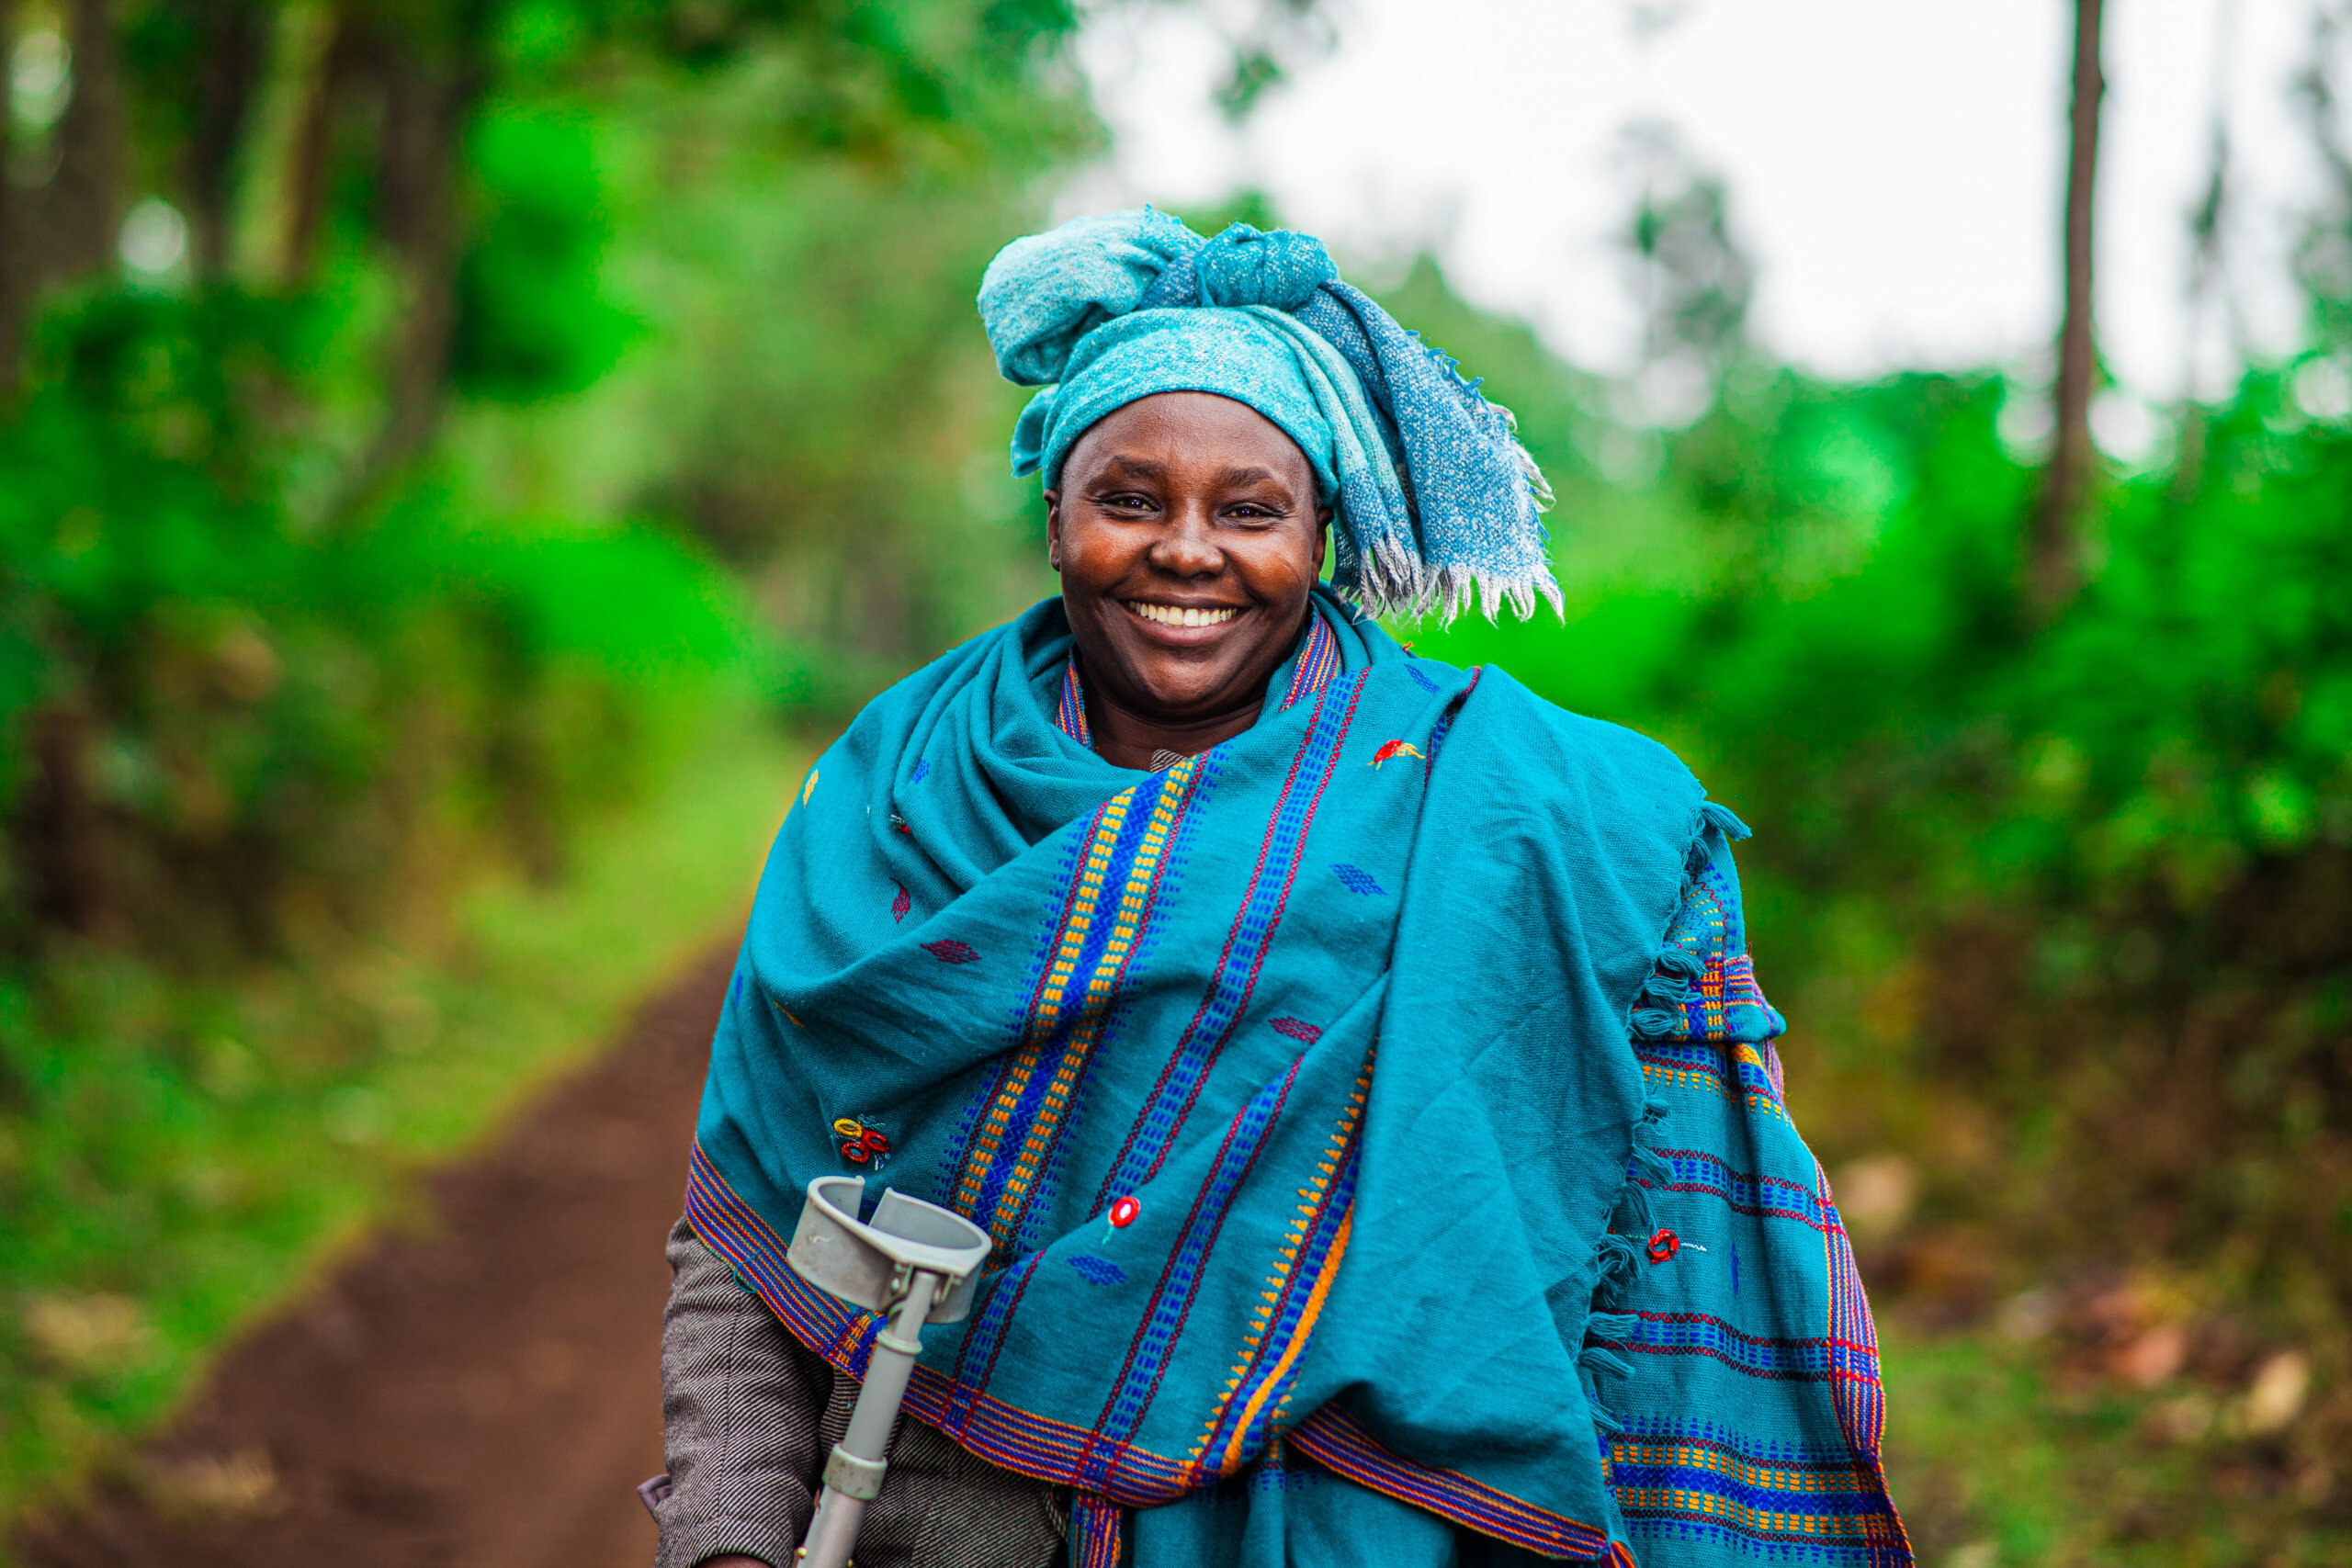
x,y
458,455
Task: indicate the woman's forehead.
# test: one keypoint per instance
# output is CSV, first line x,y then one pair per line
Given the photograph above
x,y
1198,434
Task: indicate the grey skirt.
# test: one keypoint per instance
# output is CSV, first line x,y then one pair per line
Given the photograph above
x,y
748,1414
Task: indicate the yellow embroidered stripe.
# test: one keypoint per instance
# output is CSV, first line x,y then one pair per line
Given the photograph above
x,y
1746,1472
1047,1006
1060,988
1134,898
1310,1209
1659,1074
1299,1338
1638,1500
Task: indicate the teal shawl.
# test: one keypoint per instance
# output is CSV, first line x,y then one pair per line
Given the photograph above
x,y
1303,1087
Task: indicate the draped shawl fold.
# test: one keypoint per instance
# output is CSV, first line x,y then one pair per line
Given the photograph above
x,y
1297,1084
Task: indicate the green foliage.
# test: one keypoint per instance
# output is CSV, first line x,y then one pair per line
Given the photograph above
x,y
240,715
1993,1463
889,82
249,651
533,317
821,408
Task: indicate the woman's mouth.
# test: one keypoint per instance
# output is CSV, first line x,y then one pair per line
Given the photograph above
x,y
1182,615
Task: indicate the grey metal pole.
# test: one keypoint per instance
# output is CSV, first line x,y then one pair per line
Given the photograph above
x,y
912,1263
854,1471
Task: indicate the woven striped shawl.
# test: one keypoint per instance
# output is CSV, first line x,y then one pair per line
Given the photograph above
x,y
1317,1090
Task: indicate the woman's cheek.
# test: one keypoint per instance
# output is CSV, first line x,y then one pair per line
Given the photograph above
x,y
1283,570
1099,551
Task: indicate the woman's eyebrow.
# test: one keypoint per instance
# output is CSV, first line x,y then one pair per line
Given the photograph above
x,y
1141,467
1245,476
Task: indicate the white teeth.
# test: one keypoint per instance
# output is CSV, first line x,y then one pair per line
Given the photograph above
x,y
1181,615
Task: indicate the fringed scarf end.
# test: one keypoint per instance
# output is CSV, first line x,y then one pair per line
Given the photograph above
x,y
1097,1531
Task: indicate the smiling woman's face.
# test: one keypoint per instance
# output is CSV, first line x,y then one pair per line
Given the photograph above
x,y
1187,536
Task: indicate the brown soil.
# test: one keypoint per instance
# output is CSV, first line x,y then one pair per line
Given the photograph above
x,y
482,1389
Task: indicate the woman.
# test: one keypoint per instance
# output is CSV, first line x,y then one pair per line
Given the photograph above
x,y
1355,1059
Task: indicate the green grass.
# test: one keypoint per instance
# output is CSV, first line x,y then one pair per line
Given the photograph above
x,y
175,1157
1973,1452
1999,1459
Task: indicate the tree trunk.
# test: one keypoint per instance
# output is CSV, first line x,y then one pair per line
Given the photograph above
x,y
16,276
2205,275
427,103
83,219
232,39
2057,556
63,830
419,166
330,62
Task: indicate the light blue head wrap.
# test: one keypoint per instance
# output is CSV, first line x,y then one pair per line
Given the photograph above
x,y
1437,502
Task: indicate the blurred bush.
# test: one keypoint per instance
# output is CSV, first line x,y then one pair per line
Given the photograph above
x,y
376,514
534,319
237,732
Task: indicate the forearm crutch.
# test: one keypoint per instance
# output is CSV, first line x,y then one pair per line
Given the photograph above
x,y
914,1263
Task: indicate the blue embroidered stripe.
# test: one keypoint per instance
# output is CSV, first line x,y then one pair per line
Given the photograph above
x,y
1166,793
1245,946
1251,1403
1856,1538
1769,1196
1701,1333
1759,1488
1338,1443
1703,1064
1318,661
1734,1447
1854,1384
1180,1281
1014,1439
1094,1532
956,1167
975,1357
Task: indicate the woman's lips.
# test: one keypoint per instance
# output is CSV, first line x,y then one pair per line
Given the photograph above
x,y
1181,616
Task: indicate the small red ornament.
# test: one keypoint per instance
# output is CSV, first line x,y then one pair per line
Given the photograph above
x,y
1664,1245
1123,1212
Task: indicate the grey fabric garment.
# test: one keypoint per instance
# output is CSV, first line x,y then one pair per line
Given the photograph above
x,y
748,1414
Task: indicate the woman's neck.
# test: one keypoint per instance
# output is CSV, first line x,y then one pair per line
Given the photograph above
x,y
1130,739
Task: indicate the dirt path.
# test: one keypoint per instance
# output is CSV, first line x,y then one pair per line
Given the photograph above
x,y
481,1390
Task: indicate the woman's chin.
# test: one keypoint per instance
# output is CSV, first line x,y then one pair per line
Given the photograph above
x,y
1187,693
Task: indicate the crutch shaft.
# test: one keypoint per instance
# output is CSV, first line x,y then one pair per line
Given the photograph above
x,y
854,1471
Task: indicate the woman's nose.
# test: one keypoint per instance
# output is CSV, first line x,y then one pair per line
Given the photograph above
x,y
1187,547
